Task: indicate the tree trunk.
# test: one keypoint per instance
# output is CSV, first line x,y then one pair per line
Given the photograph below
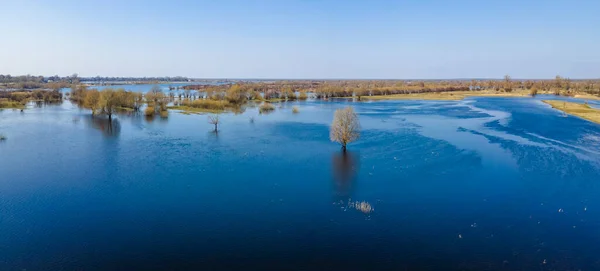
x,y
344,148
109,117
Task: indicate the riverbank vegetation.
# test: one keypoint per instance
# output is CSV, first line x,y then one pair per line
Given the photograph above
x,y
236,95
19,99
583,111
30,83
275,91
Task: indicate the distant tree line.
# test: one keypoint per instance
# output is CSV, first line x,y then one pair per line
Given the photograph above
x,y
324,89
30,82
98,79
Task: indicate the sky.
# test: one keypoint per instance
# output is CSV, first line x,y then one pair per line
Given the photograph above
x,y
302,39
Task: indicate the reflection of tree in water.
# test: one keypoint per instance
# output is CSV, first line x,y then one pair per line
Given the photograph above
x,y
40,104
108,128
345,168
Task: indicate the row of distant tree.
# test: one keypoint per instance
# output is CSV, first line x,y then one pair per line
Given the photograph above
x,y
74,78
135,79
7,79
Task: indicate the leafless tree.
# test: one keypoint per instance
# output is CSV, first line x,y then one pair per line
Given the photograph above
x,y
214,120
345,127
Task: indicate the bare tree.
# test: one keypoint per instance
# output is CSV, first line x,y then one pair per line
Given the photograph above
x,y
155,89
214,120
345,127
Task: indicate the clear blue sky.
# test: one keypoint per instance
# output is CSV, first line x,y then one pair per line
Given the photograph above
x,y
302,39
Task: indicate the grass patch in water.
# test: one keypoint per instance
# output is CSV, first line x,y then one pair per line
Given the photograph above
x,y
583,111
11,104
454,95
266,107
187,110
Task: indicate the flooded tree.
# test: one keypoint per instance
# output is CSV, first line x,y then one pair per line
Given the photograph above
x,y
214,120
156,89
91,99
345,127
109,100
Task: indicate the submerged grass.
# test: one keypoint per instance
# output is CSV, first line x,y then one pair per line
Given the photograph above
x,y
583,111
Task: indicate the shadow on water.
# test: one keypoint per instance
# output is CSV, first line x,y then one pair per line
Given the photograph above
x,y
159,119
108,128
42,104
345,167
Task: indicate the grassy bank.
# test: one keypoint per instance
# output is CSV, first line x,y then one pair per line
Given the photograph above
x,y
455,95
4,104
195,110
583,111
586,96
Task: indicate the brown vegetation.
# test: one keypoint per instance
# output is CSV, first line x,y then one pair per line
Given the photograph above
x,y
581,110
18,99
266,107
345,127
109,101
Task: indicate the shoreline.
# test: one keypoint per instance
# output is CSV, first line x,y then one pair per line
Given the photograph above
x,y
583,111
449,96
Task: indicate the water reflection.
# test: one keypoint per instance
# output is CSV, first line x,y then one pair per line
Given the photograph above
x,y
108,128
41,104
345,168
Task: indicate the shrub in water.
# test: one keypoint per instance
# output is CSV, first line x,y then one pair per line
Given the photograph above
x,y
266,107
149,111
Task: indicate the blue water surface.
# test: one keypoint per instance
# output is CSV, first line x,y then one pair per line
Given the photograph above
x,y
478,184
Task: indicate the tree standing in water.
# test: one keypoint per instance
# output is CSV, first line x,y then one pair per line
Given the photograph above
x,y
345,127
214,120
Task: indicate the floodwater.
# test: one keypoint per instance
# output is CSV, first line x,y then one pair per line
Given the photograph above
x,y
142,87
478,184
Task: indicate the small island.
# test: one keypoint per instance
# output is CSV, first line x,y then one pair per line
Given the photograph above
x,y
583,111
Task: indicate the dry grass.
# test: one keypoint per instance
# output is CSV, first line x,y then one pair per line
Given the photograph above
x,y
4,103
193,110
455,95
586,96
202,106
363,206
583,111
207,104
266,107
